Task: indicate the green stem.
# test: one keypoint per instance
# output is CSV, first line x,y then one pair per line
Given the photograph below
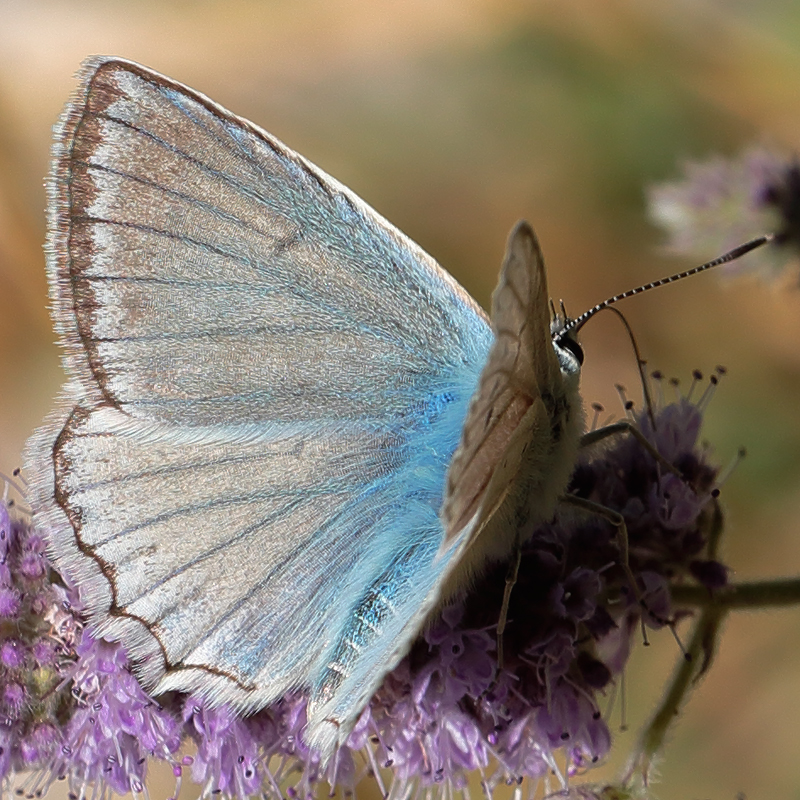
x,y
700,652
752,595
686,673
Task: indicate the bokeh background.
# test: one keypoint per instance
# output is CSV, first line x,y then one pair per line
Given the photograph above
x,y
454,119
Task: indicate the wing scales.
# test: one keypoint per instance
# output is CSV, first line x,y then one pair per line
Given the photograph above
x,y
232,587
267,381
294,233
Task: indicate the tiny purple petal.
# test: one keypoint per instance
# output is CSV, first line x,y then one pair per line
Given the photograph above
x,y
5,535
12,654
10,602
44,653
13,698
32,566
227,759
40,743
656,598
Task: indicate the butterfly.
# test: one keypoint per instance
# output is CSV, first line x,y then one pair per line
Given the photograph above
x,y
287,434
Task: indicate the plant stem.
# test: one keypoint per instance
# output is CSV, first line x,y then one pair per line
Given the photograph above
x,y
687,671
700,652
752,595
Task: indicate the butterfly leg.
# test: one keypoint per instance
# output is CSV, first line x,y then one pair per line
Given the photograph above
x,y
618,521
511,579
626,426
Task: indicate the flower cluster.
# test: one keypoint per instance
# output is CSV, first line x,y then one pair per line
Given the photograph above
x,y
31,649
72,709
721,203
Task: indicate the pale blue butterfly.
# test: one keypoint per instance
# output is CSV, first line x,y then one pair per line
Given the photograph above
x,y
247,475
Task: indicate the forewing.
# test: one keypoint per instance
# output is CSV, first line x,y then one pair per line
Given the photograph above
x,y
267,381
205,274
520,365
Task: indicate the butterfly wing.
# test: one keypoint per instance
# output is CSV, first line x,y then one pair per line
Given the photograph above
x,y
521,364
266,383
519,440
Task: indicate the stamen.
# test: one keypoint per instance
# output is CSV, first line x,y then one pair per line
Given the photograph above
x,y
697,376
729,470
658,380
598,410
705,399
687,656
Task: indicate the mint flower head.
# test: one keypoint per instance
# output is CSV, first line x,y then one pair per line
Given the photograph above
x,y
73,710
721,203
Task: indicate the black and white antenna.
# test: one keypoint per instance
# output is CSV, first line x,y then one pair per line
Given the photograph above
x,y
732,255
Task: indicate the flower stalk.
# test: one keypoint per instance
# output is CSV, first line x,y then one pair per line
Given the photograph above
x,y
687,671
753,595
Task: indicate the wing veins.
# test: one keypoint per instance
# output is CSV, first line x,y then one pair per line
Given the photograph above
x,y
291,556
187,510
263,292
90,219
215,333
240,536
166,470
93,220
99,167
226,178
238,150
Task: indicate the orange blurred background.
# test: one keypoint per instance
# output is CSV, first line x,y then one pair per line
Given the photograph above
x,y
454,119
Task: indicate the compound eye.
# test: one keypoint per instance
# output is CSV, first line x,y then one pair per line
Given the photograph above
x,y
570,344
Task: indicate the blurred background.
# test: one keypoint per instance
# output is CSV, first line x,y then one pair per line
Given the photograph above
x,y
454,119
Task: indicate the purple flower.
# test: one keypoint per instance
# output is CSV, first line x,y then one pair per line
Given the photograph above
x,y
229,756
71,707
721,203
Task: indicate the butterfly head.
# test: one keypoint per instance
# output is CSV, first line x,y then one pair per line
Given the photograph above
x,y
565,342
